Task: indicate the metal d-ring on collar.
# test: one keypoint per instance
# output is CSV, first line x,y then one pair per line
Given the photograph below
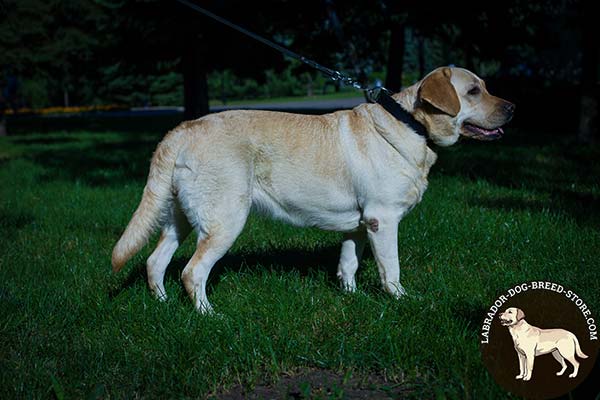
x,y
379,95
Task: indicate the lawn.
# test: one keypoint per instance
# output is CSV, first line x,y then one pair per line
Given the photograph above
x,y
496,214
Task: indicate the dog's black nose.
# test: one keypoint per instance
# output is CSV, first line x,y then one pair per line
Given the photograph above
x,y
509,108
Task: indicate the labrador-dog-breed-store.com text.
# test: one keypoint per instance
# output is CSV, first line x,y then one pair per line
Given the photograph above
x,y
355,171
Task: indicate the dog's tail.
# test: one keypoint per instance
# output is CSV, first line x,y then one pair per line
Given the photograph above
x,y
580,353
155,200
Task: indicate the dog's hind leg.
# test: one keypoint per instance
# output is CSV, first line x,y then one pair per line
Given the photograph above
x,y
352,249
174,232
566,347
217,229
571,358
556,354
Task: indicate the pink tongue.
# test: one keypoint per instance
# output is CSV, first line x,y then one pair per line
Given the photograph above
x,y
488,131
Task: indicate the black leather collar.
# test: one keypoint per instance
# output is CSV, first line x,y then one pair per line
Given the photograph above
x,y
395,109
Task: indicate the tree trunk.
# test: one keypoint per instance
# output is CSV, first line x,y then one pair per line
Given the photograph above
x,y
395,64
195,87
3,130
66,97
588,113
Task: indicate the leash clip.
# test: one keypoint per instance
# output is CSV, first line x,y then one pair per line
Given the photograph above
x,y
374,94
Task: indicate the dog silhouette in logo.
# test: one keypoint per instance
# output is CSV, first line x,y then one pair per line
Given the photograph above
x,y
531,341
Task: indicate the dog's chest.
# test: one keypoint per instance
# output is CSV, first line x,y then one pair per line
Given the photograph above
x,y
521,339
518,342
399,184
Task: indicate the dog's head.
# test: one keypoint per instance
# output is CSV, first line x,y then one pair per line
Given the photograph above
x,y
511,316
453,102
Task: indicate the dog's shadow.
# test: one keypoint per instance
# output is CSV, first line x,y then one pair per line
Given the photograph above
x,y
307,263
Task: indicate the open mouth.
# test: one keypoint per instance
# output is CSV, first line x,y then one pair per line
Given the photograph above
x,y
482,133
504,322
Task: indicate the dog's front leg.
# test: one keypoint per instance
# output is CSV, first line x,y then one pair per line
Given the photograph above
x,y
521,365
352,249
529,359
382,231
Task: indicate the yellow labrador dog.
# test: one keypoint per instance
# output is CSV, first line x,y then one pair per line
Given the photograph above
x,y
356,171
531,341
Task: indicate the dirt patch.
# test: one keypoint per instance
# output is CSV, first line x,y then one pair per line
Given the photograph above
x,y
323,384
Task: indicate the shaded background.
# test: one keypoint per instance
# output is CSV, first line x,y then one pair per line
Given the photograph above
x,y
496,214
126,53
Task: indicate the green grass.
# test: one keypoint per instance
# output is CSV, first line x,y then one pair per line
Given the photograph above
x,y
496,214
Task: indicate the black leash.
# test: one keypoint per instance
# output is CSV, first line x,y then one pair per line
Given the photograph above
x,y
333,74
379,95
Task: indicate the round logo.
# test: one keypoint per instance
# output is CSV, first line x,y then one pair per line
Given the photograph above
x,y
539,340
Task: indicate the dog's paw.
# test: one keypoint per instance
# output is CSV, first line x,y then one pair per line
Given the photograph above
x,y
159,295
573,375
348,287
526,378
398,291
162,297
519,377
204,308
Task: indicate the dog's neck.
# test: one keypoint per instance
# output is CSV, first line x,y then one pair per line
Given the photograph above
x,y
520,327
398,111
409,100
404,141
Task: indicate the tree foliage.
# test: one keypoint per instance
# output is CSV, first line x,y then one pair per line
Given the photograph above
x,y
133,51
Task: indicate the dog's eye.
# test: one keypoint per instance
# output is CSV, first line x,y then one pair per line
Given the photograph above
x,y
474,91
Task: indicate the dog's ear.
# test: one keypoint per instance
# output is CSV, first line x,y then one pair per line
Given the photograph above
x,y
520,314
437,90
